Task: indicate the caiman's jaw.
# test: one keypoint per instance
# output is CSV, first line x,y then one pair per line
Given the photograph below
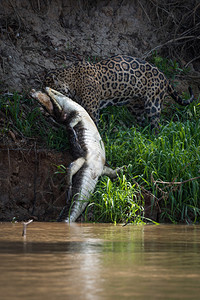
x,y
62,103
56,97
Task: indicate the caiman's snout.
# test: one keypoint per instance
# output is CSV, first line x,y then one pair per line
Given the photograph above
x,y
56,97
62,102
53,92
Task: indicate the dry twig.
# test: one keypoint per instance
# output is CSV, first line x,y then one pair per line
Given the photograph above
x,y
173,184
25,224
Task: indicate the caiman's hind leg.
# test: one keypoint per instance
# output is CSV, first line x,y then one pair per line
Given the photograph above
x,y
73,168
110,172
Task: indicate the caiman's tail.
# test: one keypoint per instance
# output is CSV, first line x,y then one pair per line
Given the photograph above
x,y
172,92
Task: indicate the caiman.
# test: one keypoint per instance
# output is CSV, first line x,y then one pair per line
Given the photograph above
x,y
86,144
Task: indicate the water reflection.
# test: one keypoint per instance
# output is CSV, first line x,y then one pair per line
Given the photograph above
x,y
99,262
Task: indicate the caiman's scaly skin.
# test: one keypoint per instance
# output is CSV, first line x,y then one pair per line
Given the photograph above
x,y
87,148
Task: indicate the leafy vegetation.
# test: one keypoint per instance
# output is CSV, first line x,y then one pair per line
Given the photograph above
x,y
169,67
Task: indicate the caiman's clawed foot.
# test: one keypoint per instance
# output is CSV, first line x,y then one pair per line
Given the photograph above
x,y
62,213
112,173
64,210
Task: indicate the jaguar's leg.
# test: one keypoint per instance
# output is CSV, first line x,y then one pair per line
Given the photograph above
x,y
140,118
95,114
92,107
136,107
90,97
153,110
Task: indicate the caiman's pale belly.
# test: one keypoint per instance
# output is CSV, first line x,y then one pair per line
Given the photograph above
x,y
96,156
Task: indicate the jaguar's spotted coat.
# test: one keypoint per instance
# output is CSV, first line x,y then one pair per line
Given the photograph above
x,y
117,80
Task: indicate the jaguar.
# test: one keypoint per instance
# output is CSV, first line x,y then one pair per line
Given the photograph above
x,y
118,80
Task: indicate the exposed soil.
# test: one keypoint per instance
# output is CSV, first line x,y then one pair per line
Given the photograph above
x,y
40,35
29,186
36,36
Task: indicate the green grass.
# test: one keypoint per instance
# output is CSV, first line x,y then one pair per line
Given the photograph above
x,y
117,201
172,155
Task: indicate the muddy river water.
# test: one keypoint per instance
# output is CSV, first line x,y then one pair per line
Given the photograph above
x,y
99,261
